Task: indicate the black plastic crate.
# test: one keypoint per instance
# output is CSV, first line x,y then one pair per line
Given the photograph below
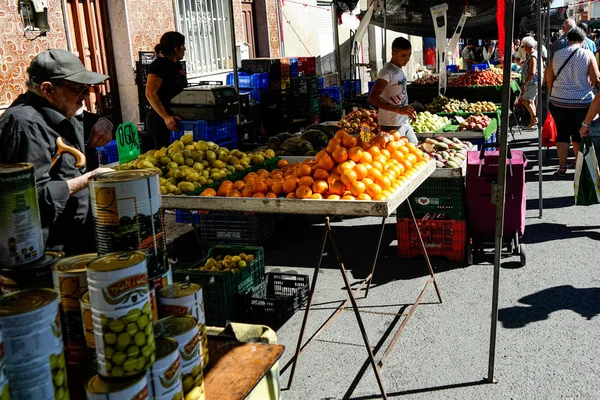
x,y
146,57
306,85
235,228
276,300
306,108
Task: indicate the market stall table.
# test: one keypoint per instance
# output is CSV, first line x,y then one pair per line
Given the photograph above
x,y
329,208
425,94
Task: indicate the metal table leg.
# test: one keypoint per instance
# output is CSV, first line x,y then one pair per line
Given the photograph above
x,y
370,277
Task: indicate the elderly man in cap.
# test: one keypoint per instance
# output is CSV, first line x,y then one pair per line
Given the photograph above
x,y
38,127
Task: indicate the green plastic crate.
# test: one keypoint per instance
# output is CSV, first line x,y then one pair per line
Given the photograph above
x,y
439,196
221,289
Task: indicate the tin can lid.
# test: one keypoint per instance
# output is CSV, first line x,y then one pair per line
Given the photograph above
x,y
25,301
74,264
85,298
123,176
97,385
165,346
117,261
178,290
174,325
15,167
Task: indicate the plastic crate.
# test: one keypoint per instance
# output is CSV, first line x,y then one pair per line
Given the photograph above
x,y
370,86
213,131
480,67
306,85
351,87
480,141
306,108
254,81
321,82
293,67
307,66
447,238
452,68
108,153
276,300
257,95
437,196
230,227
146,57
220,289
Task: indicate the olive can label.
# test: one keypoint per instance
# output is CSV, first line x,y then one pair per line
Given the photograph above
x,y
45,377
21,238
28,336
96,389
191,362
124,340
164,378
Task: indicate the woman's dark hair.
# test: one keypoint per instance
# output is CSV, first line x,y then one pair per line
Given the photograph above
x,y
576,35
169,42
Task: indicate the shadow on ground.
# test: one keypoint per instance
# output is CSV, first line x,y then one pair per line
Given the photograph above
x,y
547,232
539,306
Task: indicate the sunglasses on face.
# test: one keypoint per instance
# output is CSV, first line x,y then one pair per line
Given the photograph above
x,y
80,89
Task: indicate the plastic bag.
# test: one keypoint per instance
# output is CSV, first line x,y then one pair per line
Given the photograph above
x,y
587,190
549,131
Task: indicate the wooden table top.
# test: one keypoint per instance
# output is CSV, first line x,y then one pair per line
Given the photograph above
x,y
236,368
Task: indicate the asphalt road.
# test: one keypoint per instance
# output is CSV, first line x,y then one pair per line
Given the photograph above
x,y
547,333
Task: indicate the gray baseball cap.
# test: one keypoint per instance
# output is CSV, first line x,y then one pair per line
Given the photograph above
x,y
62,64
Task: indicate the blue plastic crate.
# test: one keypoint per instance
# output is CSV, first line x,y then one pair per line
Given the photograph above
x,y
229,144
108,154
371,84
182,217
321,82
256,95
246,81
351,87
481,141
293,67
333,92
481,67
452,68
213,131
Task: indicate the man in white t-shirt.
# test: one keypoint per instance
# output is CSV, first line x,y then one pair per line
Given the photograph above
x,y
389,92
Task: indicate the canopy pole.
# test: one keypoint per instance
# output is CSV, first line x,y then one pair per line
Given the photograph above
x,y
499,189
236,83
539,105
338,58
384,50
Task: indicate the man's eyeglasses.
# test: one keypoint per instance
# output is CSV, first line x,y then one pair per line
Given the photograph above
x,y
79,89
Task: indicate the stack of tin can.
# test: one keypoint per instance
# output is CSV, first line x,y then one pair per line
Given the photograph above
x,y
184,329
185,299
126,206
33,345
70,282
23,263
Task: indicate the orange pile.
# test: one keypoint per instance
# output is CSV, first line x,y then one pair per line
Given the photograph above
x,y
344,170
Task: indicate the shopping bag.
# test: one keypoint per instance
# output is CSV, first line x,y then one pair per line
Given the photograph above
x,y
587,190
549,131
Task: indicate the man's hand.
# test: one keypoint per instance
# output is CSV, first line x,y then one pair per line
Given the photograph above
x,y
408,111
171,122
81,182
102,133
584,131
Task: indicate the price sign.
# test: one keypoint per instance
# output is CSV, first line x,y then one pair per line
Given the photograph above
x,y
128,142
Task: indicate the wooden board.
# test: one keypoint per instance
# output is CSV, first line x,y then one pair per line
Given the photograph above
x,y
236,368
307,207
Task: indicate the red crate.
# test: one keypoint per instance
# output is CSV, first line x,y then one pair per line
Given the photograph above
x,y
307,66
447,238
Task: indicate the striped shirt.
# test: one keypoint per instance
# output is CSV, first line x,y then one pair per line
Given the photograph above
x,y
572,88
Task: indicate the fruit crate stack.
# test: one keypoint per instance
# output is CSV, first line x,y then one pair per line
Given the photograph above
x,y
225,279
306,98
351,88
278,69
439,207
307,66
330,103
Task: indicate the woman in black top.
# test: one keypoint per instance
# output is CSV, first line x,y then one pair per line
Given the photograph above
x,y
166,79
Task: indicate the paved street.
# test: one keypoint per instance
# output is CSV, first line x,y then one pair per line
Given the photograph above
x,y
548,330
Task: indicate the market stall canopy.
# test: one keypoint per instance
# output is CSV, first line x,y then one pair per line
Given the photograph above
x,y
413,17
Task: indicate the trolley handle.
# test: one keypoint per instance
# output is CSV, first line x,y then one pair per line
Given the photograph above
x,y
496,145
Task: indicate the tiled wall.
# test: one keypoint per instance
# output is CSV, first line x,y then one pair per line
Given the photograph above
x,y
273,29
16,52
148,20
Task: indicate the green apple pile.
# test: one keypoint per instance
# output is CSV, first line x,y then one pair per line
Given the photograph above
x,y
428,122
